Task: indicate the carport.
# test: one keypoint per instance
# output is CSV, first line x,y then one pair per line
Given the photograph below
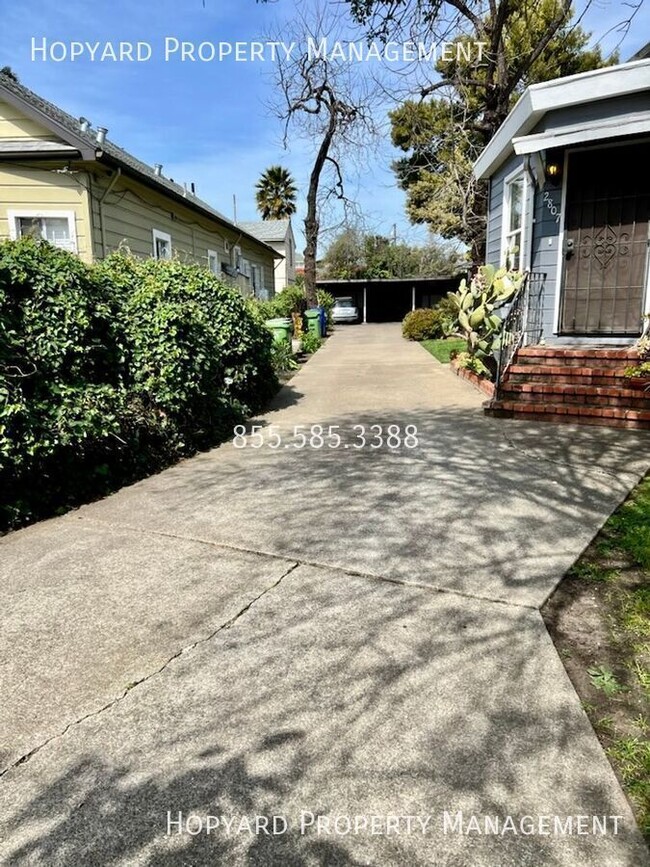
x,y
389,300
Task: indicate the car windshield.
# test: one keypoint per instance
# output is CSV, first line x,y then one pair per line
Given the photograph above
x,y
344,302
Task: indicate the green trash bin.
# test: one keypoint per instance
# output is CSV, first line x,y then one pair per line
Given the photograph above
x,y
314,321
281,329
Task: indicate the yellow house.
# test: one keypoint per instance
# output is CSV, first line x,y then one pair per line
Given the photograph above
x,y
69,184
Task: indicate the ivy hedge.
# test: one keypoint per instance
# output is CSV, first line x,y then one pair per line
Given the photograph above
x,y
111,372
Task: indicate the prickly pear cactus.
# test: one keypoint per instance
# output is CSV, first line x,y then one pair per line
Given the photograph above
x,y
476,320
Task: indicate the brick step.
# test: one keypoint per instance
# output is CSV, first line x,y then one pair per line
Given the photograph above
x,y
580,395
569,414
566,375
592,358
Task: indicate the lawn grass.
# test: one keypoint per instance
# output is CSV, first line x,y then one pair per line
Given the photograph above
x,y
600,621
441,349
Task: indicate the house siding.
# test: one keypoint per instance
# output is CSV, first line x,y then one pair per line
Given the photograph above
x,y
14,125
40,189
547,227
131,211
127,217
36,186
285,268
616,108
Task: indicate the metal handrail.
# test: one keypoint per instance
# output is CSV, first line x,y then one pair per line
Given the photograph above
x,y
523,324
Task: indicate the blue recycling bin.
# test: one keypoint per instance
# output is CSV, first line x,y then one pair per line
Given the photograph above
x,y
323,321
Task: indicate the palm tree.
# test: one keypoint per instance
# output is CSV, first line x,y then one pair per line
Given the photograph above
x,y
276,194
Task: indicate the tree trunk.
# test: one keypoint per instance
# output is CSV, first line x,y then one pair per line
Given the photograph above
x,y
311,220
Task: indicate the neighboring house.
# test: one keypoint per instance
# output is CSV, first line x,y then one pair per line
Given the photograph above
x,y
569,201
66,182
279,235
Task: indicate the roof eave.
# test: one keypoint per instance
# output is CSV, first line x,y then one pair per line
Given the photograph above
x,y
86,151
150,182
538,99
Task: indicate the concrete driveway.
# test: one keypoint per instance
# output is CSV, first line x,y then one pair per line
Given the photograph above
x,y
347,639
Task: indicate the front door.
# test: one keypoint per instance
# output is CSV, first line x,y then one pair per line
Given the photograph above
x,y
606,241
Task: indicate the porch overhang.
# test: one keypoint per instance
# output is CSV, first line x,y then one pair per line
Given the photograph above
x,y
540,99
633,124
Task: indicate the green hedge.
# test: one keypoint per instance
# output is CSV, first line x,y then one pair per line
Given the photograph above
x,y
423,324
111,372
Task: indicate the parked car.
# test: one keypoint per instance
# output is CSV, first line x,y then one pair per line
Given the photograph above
x,y
345,310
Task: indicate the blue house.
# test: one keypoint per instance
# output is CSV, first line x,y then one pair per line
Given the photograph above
x,y
569,202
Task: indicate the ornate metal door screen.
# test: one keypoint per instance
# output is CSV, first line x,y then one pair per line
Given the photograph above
x,y
606,241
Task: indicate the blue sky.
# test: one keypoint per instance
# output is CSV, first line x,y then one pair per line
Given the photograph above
x,y
206,122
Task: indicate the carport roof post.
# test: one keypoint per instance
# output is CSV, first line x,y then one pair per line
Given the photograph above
x,y
390,299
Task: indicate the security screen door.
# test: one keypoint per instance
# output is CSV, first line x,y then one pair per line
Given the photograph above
x,y
606,241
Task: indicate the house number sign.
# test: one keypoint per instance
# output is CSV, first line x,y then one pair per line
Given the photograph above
x,y
553,208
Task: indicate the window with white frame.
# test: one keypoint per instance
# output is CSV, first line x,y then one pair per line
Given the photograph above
x,y
162,245
514,253
213,262
55,227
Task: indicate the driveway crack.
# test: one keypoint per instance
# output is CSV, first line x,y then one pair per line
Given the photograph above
x,y
119,698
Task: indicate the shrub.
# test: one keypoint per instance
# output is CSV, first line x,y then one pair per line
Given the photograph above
x,y
423,324
472,363
282,357
291,300
311,343
191,343
108,373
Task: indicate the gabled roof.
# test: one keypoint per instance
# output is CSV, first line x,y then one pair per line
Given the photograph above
x,y
538,99
268,230
85,143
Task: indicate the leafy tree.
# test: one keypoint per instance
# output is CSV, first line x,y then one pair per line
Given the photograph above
x,y
276,194
442,133
354,255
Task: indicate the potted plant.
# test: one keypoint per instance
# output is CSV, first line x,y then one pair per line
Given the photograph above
x,y
638,375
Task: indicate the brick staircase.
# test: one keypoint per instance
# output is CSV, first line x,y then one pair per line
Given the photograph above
x,y
577,385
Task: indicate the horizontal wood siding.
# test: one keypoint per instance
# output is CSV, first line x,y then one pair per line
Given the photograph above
x,y
14,125
132,211
546,237
590,112
41,189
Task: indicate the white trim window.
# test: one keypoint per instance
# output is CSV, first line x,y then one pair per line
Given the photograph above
x,y
516,217
213,263
56,227
162,245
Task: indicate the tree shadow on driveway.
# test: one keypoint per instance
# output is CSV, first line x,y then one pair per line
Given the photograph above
x,y
496,510
339,696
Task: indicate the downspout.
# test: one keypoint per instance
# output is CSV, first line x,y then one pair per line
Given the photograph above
x,y
116,175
